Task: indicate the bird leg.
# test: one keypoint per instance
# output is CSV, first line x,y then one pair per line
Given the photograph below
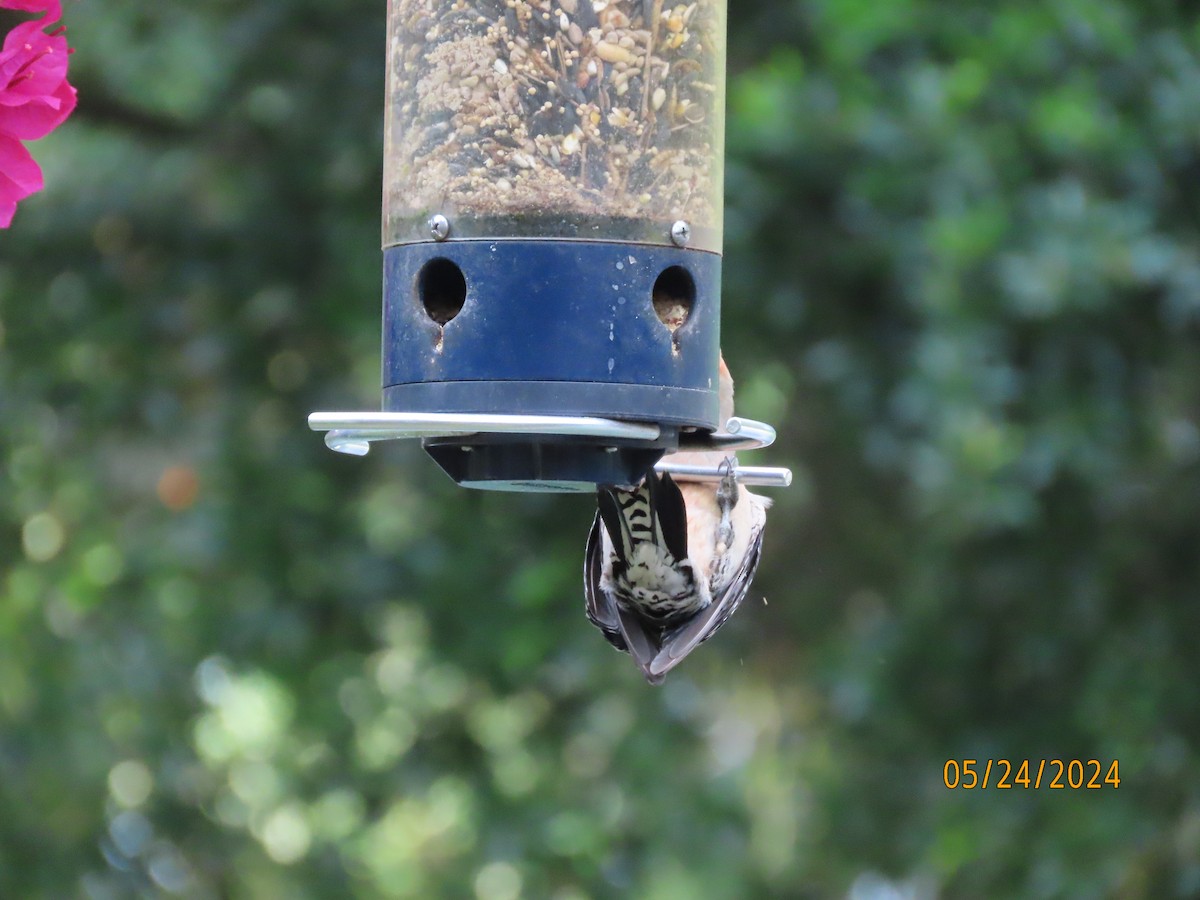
x,y
727,498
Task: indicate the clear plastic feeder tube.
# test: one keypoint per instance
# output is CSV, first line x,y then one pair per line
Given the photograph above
x,y
587,119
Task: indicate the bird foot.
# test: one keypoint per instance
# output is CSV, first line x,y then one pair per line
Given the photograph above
x,y
727,490
727,498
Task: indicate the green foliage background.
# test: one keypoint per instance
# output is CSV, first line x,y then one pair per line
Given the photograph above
x,y
963,276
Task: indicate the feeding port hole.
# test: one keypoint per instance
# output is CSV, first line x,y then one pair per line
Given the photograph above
x,y
674,294
442,289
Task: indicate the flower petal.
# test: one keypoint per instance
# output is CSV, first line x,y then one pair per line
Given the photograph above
x,y
20,176
32,63
52,7
39,116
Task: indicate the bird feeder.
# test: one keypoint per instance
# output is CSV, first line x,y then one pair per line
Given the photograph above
x,y
552,214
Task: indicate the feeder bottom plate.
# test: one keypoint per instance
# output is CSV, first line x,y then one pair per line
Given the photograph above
x,y
509,452
542,467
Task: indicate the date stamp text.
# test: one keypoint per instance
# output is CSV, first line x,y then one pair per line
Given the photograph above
x,y
1055,774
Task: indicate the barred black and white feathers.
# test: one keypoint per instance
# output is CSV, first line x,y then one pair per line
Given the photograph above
x,y
650,571
644,592
667,564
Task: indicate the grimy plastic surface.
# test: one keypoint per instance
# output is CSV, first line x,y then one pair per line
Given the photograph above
x,y
557,144
576,119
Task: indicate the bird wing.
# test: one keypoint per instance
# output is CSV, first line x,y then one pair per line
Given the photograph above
x,y
670,514
609,512
601,608
661,501
681,641
642,646
624,630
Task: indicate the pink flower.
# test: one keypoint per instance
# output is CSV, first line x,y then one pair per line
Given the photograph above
x,y
35,98
35,6
20,176
34,94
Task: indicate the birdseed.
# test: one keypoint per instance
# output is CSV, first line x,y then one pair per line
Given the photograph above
x,y
547,113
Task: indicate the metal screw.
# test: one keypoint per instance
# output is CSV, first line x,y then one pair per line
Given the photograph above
x,y
439,227
681,233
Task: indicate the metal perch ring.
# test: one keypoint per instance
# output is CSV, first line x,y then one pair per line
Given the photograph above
x,y
353,432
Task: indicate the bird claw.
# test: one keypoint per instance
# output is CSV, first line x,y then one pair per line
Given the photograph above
x,y
727,491
727,498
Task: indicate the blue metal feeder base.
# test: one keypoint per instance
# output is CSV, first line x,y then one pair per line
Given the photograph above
x,y
560,328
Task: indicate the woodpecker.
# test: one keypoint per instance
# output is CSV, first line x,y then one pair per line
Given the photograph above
x,y
667,564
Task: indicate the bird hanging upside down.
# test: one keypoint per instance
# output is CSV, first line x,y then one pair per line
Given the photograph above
x,y
667,564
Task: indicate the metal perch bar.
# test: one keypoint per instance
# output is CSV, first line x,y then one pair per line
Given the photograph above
x,y
353,432
739,434
751,476
385,425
